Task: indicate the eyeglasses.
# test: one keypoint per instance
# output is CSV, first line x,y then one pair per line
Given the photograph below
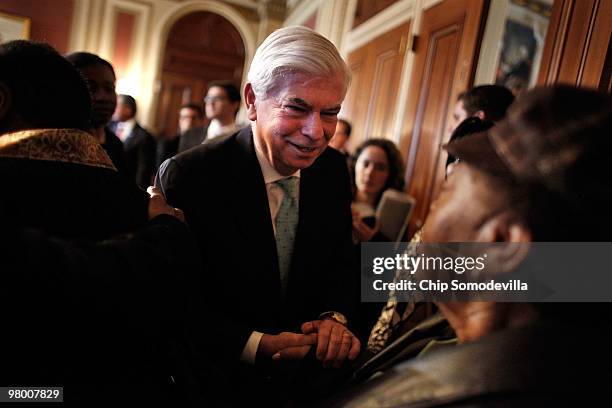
x,y
212,99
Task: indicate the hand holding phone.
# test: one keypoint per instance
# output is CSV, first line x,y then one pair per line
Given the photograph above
x,y
369,221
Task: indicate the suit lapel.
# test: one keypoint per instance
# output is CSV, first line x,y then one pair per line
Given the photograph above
x,y
309,230
132,138
249,199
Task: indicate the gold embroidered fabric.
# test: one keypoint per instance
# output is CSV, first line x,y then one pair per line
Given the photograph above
x,y
60,145
389,317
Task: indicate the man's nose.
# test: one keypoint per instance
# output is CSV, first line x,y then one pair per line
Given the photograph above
x,y
313,128
97,95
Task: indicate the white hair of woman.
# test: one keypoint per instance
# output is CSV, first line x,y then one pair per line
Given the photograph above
x,y
294,49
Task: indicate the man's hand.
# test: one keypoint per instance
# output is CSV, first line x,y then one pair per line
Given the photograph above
x,y
159,206
335,343
286,345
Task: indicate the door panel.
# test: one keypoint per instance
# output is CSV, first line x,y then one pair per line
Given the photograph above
x,y
355,106
371,99
444,66
577,48
176,90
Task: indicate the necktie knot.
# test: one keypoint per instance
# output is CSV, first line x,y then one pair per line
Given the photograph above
x,y
290,186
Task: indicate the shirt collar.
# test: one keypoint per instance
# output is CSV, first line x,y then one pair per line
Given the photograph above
x,y
127,126
269,173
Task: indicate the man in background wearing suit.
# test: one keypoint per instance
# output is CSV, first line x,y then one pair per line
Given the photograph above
x,y
221,104
341,137
270,206
191,116
138,144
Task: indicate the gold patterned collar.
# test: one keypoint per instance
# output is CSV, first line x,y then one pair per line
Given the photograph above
x,y
61,145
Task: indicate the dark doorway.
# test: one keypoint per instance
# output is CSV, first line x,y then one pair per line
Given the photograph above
x,y
201,47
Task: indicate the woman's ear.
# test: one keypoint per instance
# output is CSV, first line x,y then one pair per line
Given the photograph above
x,y
249,99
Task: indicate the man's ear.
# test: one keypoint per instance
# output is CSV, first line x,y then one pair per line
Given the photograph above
x,y
503,227
249,99
511,239
6,100
480,115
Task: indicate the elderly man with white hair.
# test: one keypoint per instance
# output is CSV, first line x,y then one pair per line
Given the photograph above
x,y
270,207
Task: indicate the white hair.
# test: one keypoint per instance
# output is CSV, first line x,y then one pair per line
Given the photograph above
x,y
295,49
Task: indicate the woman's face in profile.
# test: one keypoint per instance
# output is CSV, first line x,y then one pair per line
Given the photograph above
x,y
371,170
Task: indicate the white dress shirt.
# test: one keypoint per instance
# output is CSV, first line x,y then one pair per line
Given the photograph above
x,y
215,129
124,129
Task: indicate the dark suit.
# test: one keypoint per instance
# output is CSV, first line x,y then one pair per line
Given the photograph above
x,y
111,314
115,313
221,188
193,137
140,152
549,363
114,148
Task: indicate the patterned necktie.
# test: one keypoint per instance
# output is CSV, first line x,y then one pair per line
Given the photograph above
x,y
286,223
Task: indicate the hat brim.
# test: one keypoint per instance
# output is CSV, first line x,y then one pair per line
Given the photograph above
x,y
477,150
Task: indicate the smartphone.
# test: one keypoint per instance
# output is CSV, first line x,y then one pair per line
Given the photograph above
x,y
369,221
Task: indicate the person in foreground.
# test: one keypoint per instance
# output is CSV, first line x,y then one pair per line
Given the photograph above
x,y
56,176
94,274
538,176
270,206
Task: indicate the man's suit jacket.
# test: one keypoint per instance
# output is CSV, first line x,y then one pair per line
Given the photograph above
x,y
220,187
140,151
193,137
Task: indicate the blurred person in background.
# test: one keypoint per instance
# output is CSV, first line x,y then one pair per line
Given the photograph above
x,y
378,166
190,116
221,106
486,102
138,144
341,136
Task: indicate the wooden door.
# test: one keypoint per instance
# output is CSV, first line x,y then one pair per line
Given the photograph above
x,y
355,105
177,90
578,48
201,47
371,99
444,65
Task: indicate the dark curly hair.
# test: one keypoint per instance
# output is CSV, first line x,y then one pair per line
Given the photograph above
x,y
396,164
47,91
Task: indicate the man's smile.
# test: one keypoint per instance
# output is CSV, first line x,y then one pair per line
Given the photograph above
x,y
303,149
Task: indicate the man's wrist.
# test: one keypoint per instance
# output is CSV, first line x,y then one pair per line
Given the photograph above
x,y
336,316
249,352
